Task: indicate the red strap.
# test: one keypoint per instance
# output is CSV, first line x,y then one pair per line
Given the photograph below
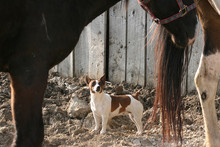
x,y
183,11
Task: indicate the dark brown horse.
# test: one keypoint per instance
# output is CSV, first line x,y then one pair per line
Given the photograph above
x,y
36,35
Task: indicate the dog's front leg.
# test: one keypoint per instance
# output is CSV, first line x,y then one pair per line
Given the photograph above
x,y
104,124
97,121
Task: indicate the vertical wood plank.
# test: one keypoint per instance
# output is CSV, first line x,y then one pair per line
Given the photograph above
x,y
90,50
136,44
65,68
117,42
150,51
195,58
97,45
82,54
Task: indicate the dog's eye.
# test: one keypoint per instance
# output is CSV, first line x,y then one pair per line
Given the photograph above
x,y
93,84
100,83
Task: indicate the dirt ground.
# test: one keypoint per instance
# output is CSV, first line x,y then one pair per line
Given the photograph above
x,y
63,130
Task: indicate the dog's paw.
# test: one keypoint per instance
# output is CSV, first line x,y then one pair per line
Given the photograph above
x,y
102,132
94,130
139,133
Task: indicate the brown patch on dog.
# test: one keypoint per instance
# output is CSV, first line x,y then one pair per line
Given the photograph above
x,y
118,100
101,82
87,80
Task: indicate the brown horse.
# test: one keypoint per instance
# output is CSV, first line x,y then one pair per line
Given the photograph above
x,y
172,63
176,34
207,75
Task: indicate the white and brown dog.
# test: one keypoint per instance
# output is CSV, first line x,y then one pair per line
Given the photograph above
x,y
105,106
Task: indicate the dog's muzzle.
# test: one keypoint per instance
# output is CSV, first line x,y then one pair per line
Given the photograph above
x,y
98,89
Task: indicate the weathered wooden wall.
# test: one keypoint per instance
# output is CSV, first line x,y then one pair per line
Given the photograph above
x,y
115,44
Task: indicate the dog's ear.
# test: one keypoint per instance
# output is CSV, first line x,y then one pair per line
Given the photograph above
x,y
102,79
87,80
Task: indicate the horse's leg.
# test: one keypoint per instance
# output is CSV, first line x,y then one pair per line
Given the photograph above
x,y
28,84
206,80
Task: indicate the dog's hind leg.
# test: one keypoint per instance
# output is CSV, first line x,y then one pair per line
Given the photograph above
x,y
137,121
139,125
132,118
108,123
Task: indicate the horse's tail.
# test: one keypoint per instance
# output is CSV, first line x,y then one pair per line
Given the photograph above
x,y
171,65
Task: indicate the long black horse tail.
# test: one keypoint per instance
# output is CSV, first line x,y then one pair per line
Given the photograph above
x,y
171,66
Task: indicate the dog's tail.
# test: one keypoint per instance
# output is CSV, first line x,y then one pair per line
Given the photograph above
x,y
136,95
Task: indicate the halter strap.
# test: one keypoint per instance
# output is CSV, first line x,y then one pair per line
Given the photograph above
x,y
184,9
